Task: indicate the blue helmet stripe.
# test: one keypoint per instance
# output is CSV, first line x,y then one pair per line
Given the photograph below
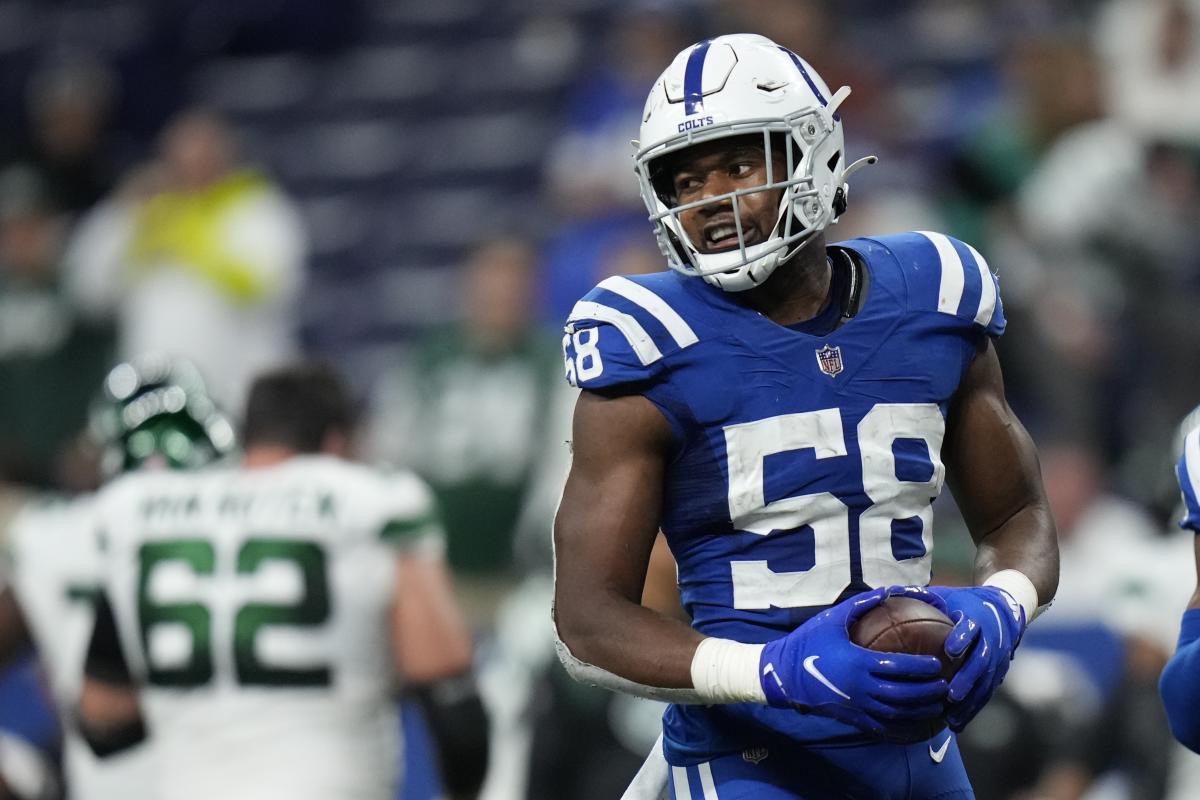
x,y
807,78
693,79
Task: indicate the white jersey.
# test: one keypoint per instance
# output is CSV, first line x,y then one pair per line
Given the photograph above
x,y
55,574
254,606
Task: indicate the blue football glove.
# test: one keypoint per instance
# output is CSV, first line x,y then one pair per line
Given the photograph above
x,y
988,627
818,670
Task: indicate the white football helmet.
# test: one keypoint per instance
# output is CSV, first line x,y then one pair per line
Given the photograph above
x,y
731,86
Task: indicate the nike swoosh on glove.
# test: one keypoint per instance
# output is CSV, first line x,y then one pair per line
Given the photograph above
x,y
988,627
818,670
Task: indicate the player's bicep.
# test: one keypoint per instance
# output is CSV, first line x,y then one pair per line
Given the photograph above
x,y
608,518
991,460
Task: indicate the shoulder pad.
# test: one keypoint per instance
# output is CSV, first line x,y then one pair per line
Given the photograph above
x,y
949,276
410,519
622,331
1188,472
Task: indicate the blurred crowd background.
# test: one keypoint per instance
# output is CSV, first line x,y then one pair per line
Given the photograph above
x,y
419,191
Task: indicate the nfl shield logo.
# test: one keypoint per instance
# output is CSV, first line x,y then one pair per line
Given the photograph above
x,y
830,360
754,755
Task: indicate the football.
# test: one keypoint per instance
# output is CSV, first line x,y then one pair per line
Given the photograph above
x,y
905,625
908,625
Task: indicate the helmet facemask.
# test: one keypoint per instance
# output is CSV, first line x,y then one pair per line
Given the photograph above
x,y
807,190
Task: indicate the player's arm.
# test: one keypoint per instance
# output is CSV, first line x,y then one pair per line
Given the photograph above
x,y
603,536
1180,682
14,633
994,474
109,716
432,652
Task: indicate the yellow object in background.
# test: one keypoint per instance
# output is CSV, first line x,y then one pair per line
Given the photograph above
x,y
185,231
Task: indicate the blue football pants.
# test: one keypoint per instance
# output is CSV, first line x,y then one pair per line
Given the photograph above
x,y
929,770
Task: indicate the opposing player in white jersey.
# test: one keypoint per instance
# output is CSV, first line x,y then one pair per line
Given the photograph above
x,y
267,613
153,413
55,571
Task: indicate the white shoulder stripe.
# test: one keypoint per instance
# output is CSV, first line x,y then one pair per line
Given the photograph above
x,y
987,301
950,286
680,331
645,348
706,781
679,778
1191,459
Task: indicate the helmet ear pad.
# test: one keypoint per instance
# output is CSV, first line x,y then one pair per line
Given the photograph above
x,y
839,202
811,213
822,161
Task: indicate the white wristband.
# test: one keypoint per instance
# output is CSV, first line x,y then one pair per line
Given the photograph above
x,y
1019,587
725,671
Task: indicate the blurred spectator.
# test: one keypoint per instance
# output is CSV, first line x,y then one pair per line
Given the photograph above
x,y
815,31
205,269
1050,84
68,106
100,241
1118,287
50,358
1152,55
468,413
590,166
1096,218
589,169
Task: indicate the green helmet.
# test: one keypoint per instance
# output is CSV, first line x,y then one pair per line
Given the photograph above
x,y
156,410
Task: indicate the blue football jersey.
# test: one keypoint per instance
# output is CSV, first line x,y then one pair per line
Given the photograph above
x,y
804,466
1188,472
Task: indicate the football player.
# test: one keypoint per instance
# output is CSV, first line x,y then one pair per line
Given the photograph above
x,y
1180,682
786,411
265,613
153,413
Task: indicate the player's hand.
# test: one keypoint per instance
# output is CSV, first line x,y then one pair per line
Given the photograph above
x,y
817,669
988,626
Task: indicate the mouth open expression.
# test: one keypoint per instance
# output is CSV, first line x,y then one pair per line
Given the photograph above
x,y
720,235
